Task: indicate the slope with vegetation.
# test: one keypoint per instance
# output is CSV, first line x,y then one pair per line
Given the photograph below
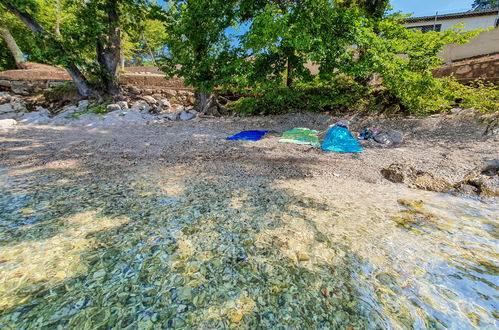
x,y
260,49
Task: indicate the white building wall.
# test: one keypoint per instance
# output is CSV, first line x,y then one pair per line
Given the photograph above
x,y
470,23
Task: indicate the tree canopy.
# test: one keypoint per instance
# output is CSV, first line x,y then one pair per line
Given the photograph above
x,y
485,4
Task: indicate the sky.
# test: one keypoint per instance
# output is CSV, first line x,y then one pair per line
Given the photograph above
x,y
430,7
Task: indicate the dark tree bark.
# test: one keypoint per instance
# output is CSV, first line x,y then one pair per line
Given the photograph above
x,y
13,47
209,104
84,88
109,49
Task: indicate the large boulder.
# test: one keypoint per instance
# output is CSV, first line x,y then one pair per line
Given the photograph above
x,y
399,173
83,104
402,173
490,187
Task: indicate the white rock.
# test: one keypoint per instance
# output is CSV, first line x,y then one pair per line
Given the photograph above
x,y
149,99
5,94
6,124
141,106
186,115
113,107
123,105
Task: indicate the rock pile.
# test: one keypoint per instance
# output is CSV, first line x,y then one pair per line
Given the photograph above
x,y
143,110
11,106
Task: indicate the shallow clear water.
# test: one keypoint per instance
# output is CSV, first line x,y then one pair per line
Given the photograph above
x,y
172,248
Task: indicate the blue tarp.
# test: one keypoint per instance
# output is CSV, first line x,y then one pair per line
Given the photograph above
x,y
339,138
248,135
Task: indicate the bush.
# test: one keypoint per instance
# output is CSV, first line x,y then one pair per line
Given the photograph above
x,y
480,95
340,95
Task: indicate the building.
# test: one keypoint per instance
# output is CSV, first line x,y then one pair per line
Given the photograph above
x,y
485,44
472,20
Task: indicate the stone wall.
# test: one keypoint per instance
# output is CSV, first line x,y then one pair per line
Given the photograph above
x,y
484,67
39,77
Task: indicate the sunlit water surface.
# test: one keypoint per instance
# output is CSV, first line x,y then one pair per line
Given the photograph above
x,y
167,248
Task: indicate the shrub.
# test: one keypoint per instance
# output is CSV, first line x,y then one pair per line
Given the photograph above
x,y
340,95
480,95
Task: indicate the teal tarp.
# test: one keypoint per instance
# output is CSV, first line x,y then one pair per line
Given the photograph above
x,y
339,138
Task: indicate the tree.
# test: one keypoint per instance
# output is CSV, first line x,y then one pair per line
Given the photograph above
x,y
16,52
199,49
86,37
21,9
485,4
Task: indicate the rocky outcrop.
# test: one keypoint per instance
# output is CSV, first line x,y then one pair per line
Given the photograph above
x,y
402,173
482,181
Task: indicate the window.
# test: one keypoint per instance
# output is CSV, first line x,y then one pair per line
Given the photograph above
x,y
427,28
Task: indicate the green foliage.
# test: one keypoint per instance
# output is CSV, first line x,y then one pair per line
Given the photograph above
x,y
199,48
6,59
485,4
340,95
97,108
405,60
60,93
479,95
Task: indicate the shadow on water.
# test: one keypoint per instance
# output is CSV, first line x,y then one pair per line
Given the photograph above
x,y
142,247
205,241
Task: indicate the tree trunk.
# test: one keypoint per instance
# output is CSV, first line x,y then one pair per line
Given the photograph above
x,y
84,88
57,19
13,47
108,50
208,104
149,50
289,73
291,63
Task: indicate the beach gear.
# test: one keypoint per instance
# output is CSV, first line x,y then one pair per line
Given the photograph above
x,y
369,133
300,136
248,135
339,138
